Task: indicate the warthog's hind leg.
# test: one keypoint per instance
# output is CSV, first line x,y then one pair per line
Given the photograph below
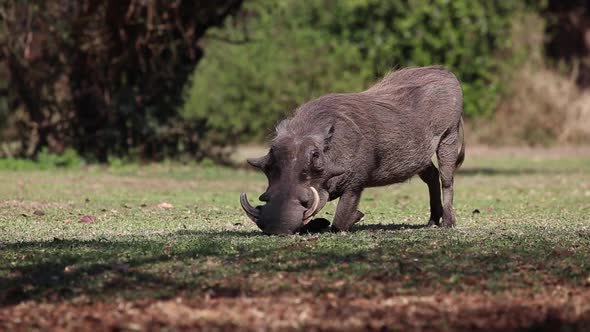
x,y
431,177
447,154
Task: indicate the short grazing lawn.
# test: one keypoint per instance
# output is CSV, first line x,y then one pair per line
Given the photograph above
x,y
168,247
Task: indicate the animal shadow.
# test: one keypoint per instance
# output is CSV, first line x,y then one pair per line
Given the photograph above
x,y
386,227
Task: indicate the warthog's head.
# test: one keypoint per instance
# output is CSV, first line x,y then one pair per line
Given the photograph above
x,y
297,169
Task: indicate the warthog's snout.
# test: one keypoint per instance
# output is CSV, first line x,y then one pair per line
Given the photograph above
x,y
284,214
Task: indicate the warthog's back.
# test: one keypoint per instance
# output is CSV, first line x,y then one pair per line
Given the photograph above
x,y
430,94
392,128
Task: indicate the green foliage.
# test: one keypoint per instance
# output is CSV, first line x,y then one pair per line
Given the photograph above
x,y
16,164
45,160
293,51
69,158
243,89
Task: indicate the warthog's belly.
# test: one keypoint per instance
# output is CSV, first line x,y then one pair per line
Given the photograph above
x,y
395,165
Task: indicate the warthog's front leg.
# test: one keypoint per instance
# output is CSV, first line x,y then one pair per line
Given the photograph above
x,y
346,211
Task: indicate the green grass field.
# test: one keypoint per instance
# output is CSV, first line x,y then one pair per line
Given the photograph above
x,y
168,247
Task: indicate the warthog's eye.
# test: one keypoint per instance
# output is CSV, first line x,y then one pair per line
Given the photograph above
x,y
316,162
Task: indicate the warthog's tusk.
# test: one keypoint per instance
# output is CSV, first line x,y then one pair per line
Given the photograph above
x,y
314,207
251,211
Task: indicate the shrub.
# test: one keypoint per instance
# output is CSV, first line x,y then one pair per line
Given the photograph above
x,y
241,90
293,51
45,160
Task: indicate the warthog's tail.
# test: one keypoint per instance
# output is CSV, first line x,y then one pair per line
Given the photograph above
x,y
461,156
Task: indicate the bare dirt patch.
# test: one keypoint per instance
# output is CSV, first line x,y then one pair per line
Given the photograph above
x,y
557,310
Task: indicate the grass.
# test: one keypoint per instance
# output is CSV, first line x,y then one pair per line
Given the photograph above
x,y
523,228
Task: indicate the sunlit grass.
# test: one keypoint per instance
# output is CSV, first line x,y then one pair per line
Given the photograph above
x,y
522,224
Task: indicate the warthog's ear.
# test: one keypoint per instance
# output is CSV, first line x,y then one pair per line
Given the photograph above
x,y
260,162
331,170
328,137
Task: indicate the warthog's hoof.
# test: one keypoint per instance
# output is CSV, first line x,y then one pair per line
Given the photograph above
x,y
432,224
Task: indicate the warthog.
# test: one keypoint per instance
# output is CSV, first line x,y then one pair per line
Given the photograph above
x,y
340,144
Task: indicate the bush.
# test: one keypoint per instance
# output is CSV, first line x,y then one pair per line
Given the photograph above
x,y
294,51
45,160
241,90
69,158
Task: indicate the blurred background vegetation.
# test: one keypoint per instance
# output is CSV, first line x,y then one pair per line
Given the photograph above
x,y
159,79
